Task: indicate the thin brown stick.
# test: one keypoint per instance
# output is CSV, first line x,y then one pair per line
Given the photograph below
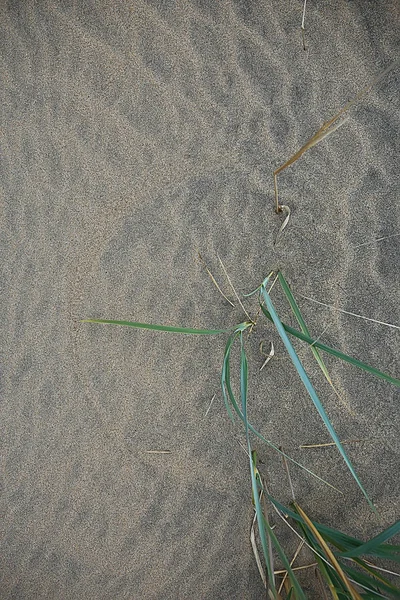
x,y
332,443
299,547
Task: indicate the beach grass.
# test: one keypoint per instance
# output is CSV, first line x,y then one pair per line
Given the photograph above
x,y
338,557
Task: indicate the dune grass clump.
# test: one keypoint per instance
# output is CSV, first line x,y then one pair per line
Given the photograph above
x,y
340,559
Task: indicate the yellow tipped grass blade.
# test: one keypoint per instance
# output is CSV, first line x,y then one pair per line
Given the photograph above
x,y
327,128
309,387
328,552
296,311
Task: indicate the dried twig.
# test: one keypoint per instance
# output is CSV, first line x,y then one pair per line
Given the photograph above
x,y
214,280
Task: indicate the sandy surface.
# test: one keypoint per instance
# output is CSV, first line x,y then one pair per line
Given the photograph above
x,y
135,134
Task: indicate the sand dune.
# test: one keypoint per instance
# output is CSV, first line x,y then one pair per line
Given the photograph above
x,y
135,135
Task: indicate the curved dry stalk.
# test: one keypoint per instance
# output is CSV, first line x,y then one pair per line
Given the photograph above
x,y
234,291
327,128
303,28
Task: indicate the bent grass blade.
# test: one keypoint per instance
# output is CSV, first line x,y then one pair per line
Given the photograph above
x,y
229,397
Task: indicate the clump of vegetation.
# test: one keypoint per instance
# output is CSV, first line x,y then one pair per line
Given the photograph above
x,y
338,556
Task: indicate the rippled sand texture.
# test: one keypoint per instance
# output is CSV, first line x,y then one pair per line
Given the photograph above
x,y
135,134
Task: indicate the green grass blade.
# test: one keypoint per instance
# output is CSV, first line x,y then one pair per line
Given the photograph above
x,y
187,330
370,546
371,584
296,311
254,485
229,396
333,352
296,586
308,385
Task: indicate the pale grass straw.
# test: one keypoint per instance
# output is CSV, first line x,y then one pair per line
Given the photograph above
x,y
214,280
208,409
346,312
386,237
303,28
234,291
299,547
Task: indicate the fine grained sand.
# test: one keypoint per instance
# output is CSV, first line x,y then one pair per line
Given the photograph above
x,y
135,134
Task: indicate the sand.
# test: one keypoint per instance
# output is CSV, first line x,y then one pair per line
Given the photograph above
x,y
135,135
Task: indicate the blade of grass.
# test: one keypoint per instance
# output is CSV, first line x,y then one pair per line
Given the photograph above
x,y
301,322
261,529
256,552
371,584
340,540
187,330
293,580
336,538
345,357
369,547
228,395
307,383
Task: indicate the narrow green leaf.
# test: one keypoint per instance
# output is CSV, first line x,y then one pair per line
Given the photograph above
x,y
293,580
228,395
370,546
307,383
296,311
371,584
337,353
256,497
187,330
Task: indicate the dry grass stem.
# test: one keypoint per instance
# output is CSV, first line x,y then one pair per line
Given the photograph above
x,y
234,291
333,443
282,572
285,463
327,128
299,547
208,409
339,571
346,312
386,237
214,280
303,28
